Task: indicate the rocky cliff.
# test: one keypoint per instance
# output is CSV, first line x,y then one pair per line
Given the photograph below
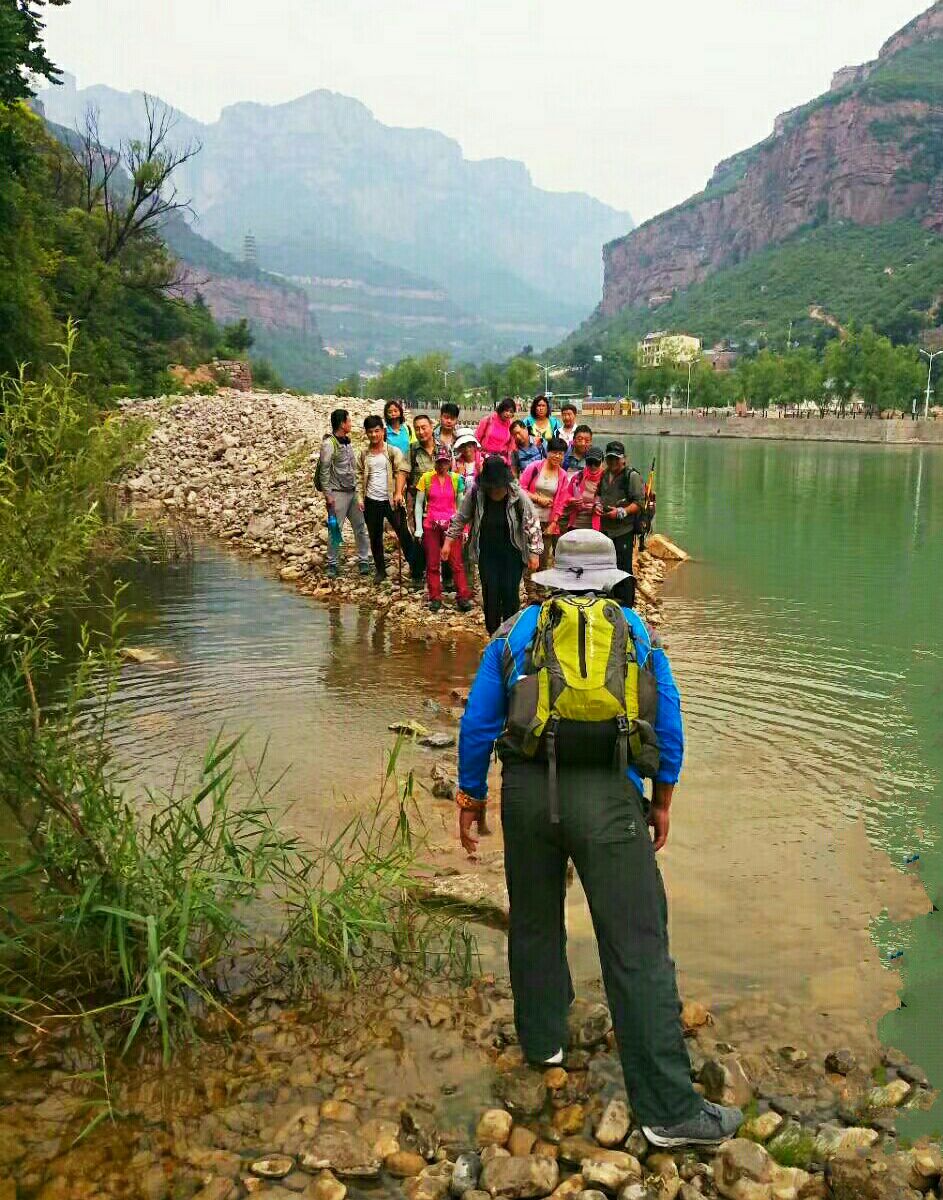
x,y
870,151
266,305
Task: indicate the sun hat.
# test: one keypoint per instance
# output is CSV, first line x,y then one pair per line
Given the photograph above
x,y
442,454
615,450
585,562
594,454
495,473
465,437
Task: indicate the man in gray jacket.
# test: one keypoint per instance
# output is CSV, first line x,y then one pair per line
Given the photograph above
x,y
338,474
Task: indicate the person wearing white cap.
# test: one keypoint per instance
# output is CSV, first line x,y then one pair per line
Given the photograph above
x,y
582,705
468,456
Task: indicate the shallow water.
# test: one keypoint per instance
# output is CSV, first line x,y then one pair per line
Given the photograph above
x,y
806,639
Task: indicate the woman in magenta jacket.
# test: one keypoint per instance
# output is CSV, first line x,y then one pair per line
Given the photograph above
x,y
494,431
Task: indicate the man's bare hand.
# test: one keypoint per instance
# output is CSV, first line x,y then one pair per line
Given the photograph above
x,y
470,820
659,817
533,563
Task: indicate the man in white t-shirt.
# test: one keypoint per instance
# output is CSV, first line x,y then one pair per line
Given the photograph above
x,y
382,472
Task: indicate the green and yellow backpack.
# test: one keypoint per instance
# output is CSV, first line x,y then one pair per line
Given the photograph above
x,y
584,690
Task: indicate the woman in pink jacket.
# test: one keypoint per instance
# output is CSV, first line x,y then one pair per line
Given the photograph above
x,y
494,432
547,485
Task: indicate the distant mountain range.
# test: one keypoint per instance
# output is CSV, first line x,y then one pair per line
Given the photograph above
x,y
779,235
400,243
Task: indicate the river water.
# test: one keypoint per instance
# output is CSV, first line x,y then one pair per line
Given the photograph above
x,y
806,637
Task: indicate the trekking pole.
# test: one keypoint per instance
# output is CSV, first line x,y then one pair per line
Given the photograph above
x,y
399,565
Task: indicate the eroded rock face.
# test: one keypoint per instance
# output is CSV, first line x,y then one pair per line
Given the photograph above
x,y
829,161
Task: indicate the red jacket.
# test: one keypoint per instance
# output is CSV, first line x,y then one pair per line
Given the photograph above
x,y
567,502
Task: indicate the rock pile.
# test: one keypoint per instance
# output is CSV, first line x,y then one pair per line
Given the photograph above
x,y
240,467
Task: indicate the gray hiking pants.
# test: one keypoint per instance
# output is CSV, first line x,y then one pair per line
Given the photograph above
x,y
603,829
347,507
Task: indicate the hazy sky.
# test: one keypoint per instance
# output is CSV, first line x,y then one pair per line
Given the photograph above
x,y
633,102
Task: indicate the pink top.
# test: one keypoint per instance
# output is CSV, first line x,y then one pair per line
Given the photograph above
x,y
443,493
571,494
495,437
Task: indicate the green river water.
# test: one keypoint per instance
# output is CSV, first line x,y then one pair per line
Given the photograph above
x,y
807,640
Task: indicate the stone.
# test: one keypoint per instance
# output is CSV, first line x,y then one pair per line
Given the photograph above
x,y
326,1186
761,1128
546,1149
432,1183
383,1136
589,1023
926,1166
836,1141
695,1016
555,1078
570,1119
613,1126
592,1194
794,1056
490,1153
213,1161
658,546
494,1128
743,1162
521,1141
276,1166
637,1143
421,1128
408,729
404,1163
569,1187
840,1062
260,527
892,1095
610,1176
575,1149
667,1179
437,741
725,1081
344,1152
869,1176
465,1174
296,1133
523,1090
217,1189
520,1178
341,1111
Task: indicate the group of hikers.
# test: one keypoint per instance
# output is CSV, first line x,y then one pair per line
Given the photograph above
x,y
573,692
496,498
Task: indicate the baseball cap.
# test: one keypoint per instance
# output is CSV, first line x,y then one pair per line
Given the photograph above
x,y
442,454
594,454
616,449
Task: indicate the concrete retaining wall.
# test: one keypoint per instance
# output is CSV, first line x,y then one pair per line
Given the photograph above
x,y
791,429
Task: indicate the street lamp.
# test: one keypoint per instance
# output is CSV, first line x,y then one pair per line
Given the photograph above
x,y
930,356
547,368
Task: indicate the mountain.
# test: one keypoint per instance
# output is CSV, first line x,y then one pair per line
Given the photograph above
x,y
368,215
868,153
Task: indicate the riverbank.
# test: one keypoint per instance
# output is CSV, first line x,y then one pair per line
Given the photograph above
x,y
239,466
874,432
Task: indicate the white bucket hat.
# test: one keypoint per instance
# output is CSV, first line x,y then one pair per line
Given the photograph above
x,y
585,562
465,437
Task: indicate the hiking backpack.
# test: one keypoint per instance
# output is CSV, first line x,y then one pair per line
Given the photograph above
x,y
318,477
584,688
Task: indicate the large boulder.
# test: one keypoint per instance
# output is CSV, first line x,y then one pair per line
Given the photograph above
x,y
520,1178
870,1176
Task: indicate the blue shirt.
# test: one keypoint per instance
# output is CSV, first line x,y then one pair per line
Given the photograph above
x,y
523,456
486,711
399,439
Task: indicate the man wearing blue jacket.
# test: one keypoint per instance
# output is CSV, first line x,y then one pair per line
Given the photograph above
x,y
600,821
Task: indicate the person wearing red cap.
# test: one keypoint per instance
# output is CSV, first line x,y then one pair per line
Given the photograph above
x,y
438,494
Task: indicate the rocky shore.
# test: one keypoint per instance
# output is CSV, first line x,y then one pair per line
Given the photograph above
x,y
402,1097
239,466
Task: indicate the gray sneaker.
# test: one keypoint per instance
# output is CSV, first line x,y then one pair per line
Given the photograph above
x,y
712,1125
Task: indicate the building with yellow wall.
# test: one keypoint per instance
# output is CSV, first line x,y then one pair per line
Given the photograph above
x,y
663,347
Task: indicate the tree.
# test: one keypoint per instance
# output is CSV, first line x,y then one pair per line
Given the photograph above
x,y
521,377
237,337
762,379
22,54
132,188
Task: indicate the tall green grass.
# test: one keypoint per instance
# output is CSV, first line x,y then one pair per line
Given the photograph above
x,y
141,915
